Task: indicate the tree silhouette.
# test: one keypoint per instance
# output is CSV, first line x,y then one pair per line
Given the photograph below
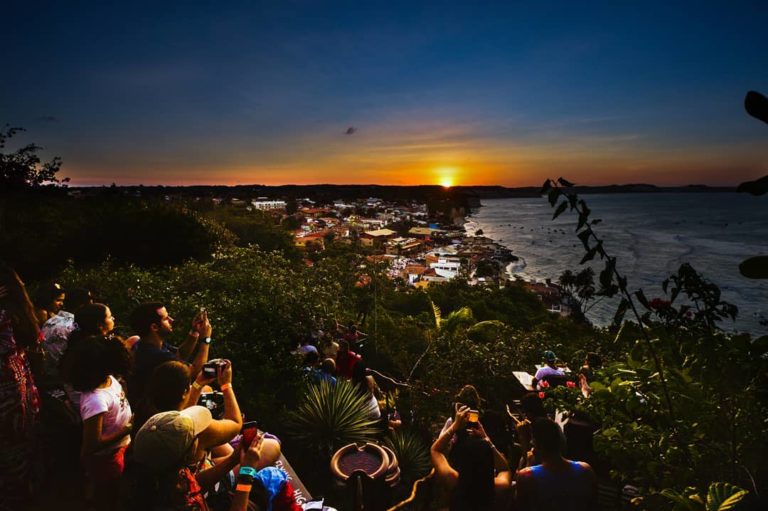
x,y
23,169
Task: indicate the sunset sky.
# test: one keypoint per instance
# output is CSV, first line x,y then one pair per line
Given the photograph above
x,y
411,92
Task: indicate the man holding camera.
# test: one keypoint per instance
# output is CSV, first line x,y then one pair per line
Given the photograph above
x,y
153,325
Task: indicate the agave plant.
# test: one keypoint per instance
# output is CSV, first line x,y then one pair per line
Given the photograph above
x,y
720,497
331,416
412,454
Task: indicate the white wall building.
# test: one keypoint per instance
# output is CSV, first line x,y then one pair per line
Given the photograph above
x,y
264,205
445,267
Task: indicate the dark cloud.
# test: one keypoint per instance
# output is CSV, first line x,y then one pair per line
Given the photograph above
x,y
350,130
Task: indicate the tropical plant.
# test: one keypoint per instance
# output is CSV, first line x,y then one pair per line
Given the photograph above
x,y
720,497
331,416
412,454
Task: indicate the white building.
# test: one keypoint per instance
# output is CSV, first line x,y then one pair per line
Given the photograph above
x,y
446,267
263,204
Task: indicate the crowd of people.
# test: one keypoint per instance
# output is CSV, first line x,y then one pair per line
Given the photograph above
x,y
136,436
139,439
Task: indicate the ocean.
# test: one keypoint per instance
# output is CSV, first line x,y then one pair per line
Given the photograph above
x,y
651,235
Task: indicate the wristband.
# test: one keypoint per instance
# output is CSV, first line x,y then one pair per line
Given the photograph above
x,y
226,386
207,340
196,385
247,471
243,487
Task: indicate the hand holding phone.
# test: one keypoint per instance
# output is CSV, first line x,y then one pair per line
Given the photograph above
x,y
249,431
473,416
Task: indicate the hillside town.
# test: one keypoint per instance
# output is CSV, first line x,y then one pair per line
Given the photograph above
x,y
414,246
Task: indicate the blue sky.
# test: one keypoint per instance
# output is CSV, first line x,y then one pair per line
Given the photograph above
x,y
461,92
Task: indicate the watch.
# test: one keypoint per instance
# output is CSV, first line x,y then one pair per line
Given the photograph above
x,y
246,473
207,340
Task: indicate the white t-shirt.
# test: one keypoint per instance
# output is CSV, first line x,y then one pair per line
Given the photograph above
x,y
110,401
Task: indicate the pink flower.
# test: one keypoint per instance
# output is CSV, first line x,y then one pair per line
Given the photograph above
x,y
541,395
544,385
570,384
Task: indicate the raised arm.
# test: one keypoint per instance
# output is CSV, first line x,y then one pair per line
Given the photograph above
x,y
224,430
201,330
197,388
439,449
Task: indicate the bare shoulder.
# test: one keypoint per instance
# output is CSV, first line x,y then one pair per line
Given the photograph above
x,y
524,475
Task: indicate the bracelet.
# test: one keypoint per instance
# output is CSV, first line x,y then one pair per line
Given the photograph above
x,y
196,385
226,386
207,340
247,471
243,487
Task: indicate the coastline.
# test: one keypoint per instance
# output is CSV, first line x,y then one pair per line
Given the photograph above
x,y
512,269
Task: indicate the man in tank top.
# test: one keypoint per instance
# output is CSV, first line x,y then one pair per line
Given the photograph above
x,y
557,483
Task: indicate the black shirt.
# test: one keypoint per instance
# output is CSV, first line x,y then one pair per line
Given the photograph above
x,y
146,358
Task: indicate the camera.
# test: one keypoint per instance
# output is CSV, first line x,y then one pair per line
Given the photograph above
x,y
211,368
214,401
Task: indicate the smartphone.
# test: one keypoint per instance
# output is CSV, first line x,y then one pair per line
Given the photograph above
x,y
473,416
249,433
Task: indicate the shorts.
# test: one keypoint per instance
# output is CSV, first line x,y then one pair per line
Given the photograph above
x,y
102,468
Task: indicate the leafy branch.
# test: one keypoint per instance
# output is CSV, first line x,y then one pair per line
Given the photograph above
x,y
611,281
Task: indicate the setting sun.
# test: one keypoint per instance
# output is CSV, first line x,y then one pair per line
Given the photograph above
x,y
446,176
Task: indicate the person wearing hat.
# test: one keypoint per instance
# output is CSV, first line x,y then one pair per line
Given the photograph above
x,y
548,369
165,448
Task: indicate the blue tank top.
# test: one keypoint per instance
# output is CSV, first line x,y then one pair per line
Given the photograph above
x,y
566,490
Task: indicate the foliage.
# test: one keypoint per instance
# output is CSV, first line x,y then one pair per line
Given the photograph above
x,y
720,497
512,305
254,228
755,267
581,285
331,416
412,454
686,405
23,169
260,305
488,268
88,230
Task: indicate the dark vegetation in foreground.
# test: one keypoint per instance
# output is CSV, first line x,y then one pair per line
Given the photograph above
x,y
704,421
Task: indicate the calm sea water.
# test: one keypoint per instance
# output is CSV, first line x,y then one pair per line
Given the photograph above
x,y
651,235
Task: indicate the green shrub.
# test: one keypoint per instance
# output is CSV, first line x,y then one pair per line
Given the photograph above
x,y
412,454
330,417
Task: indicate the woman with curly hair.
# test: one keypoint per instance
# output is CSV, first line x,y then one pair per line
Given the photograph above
x,y
19,401
106,413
